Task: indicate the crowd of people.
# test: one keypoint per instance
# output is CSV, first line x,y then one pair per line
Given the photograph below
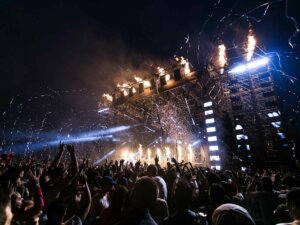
x,y
124,193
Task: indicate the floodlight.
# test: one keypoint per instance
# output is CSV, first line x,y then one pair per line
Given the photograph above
x,y
254,64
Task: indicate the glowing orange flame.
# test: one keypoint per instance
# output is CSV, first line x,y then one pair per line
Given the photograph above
x,y
158,153
161,71
125,155
168,77
146,83
122,86
222,57
138,79
107,97
190,153
168,153
185,64
250,46
149,156
140,152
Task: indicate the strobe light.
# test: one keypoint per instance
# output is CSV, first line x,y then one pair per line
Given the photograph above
x,y
252,65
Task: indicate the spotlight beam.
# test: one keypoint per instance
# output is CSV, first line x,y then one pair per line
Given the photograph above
x,y
252,65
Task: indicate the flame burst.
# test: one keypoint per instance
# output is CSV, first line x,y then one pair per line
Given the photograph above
x,y
185,64
163,72
146,83
107,97
141,151
250,46
222,57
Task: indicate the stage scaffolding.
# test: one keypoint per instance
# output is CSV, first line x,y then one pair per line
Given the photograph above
x,y
236,117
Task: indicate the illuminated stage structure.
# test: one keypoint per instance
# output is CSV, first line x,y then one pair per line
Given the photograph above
x,y
234,113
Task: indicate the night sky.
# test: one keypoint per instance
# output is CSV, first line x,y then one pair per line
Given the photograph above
x,y
58,57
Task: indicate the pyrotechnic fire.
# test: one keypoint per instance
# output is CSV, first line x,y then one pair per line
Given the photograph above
x,y
163,72
138,79
185,64
124,88
125,85
158,152
140,152
168,77
131,157
107,97
179,159
125,156
149,156
222,57
250,46
146,83
168,153
190,153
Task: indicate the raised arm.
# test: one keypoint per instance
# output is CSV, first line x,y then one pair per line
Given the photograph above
x,y
86,200
58,156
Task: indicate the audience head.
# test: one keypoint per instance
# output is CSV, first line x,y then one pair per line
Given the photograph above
x,y
217,194
183,195
231,214
56,212
293,203
266,184
144,194
152,170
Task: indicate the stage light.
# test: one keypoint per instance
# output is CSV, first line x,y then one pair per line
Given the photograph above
x,y
104,157
207,104
241,137
276,124
208,112
195,143
211,129
213,148
248,147
281,135
103,110
209,121
273,114
238,127
249,66
214,158
212,138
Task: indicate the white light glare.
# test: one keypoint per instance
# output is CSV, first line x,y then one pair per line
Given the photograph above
x,y
208,112
241,137
249,66
103,110
208,121
281,135
238,127
212,138
276,124
273,114
214,158
210,129
213,148
207,104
